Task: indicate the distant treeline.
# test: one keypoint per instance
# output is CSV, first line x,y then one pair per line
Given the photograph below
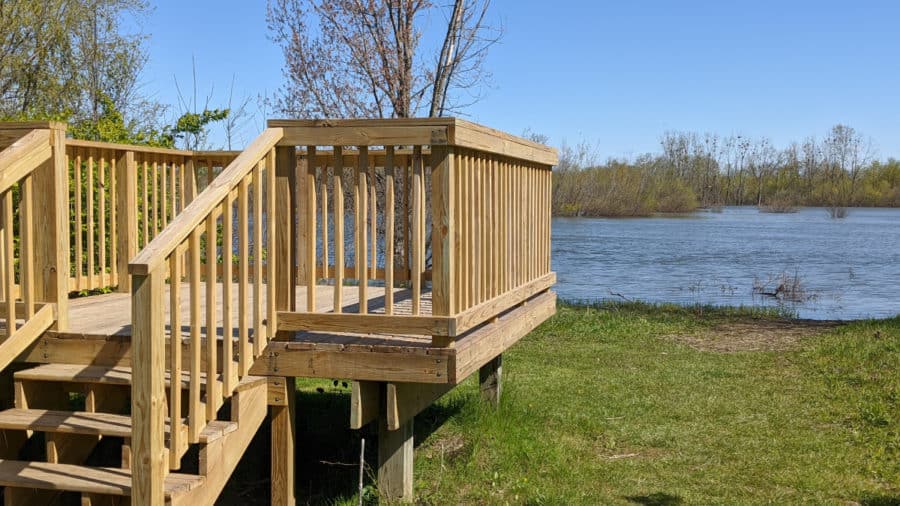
x,y
710,171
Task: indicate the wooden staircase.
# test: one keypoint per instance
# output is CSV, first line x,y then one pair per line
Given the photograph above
x,y
59,440
169,422
152,394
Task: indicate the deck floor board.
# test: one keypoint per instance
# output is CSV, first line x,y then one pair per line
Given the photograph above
x,y
110,314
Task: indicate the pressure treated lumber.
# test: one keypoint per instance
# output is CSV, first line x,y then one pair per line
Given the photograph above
x,y
490,377
395,462
96,480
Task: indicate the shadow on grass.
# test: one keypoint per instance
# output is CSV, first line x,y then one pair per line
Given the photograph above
x,y
326,451
880,500
655,499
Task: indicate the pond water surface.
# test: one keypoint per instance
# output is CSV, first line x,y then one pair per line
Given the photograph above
x,y
848,268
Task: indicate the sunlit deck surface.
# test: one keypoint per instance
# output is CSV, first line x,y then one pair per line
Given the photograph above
x,y
110,314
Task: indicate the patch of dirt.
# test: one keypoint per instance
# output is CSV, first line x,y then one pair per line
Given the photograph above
x,y
756,335
446,447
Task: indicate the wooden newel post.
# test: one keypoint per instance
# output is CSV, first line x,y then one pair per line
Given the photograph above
x,y
126,217
148,396
283,259
51,220
443,196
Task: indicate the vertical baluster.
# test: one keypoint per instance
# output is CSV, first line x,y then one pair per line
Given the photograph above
x,y
488,162
310,259
197,417
423,217
101,212
495,248
259,330
323,195
361,232
164,193
271,262
90,220
26,244
505,208
338,228
175,358
182,189
406,215
113,223
212,342
145,204
9,258
173,189
79,221
521,226
459,231
243,276
373,223
389,230
418,207
462,207
228,373
154,197
548,175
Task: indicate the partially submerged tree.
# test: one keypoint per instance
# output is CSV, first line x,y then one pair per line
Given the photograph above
x,y
361,59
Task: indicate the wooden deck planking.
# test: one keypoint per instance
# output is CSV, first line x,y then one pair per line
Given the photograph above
x,y
110,314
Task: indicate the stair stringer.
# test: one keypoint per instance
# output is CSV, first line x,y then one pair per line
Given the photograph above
x,y
249,407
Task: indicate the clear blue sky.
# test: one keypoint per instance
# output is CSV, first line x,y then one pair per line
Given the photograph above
x,y
618,73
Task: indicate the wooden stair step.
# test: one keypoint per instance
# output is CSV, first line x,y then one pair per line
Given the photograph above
x,y
91,424
91,480
72,373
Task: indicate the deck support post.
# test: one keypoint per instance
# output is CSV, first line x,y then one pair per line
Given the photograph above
x,y
395,460
490,377
283,434
126,217
285,267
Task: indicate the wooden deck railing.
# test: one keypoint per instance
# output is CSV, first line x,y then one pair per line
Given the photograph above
x,y
121,197
216,248
32,238
440,200
446,221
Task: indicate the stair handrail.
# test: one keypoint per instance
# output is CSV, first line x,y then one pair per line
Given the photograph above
x,y
221,212
31,260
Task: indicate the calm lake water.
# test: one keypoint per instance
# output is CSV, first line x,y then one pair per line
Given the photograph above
x,y
848,268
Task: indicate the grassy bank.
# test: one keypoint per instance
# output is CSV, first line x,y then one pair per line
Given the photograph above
x,y
650,405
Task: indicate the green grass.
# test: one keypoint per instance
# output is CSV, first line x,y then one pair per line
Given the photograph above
x,y
601,406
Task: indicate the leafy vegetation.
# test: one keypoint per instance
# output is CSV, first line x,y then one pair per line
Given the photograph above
x,y
608,404
708,171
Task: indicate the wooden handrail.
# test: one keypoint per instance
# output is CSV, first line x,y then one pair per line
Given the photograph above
x,y
163,245
147,149
23,156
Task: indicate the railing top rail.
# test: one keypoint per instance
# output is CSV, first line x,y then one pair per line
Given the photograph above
x,y
413,131
23,156
127,147
147,149
159,249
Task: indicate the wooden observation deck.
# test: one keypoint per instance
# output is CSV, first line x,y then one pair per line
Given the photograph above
x,y
403,255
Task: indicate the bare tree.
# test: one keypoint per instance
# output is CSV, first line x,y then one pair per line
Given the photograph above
x,y
355,58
